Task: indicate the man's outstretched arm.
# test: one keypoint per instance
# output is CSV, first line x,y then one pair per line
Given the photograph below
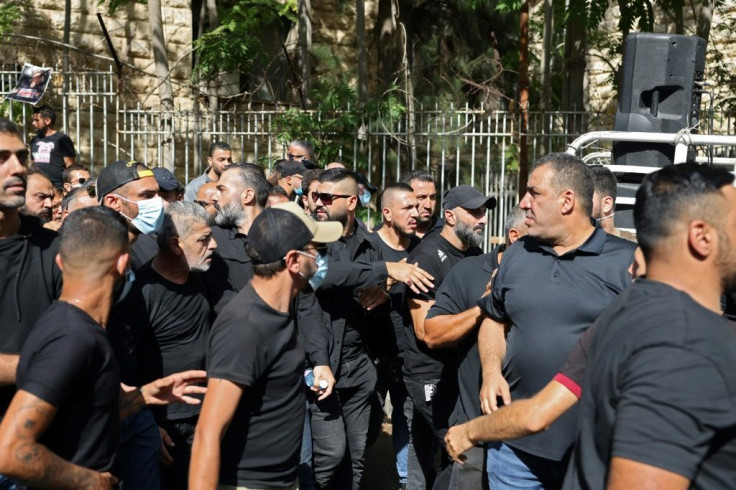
x,y
24,459
519,419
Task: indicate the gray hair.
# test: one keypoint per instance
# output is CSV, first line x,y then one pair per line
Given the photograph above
x,y
179,219
515,219
308,147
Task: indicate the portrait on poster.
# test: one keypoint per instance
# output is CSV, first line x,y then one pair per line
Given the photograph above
x,y
31,85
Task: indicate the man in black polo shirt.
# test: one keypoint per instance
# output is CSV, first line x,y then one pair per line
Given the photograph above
x,y
170,309
242,192
249,431
551,285
429,374
61,429
453,322
659,394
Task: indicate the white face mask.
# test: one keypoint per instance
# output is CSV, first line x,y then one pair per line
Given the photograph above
x,y
150,214
322,266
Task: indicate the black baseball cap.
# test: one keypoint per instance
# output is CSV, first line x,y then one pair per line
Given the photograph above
x,y
309,164
292,167
468,197
119,173
166,180
285,227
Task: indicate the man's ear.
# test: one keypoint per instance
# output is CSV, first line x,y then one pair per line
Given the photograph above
x,y
352,203
386,215
113,202
702,239
513,235
292,261
59,262
450,217
567,201
247,196
607,205
175,246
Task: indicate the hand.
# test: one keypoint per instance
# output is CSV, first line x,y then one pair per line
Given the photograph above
x,y
102,481
489,286
52,225
410,274
323,373
164,456
175,388
494,385
457,441
372,297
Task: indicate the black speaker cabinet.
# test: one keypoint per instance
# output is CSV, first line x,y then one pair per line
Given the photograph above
x,y
657,93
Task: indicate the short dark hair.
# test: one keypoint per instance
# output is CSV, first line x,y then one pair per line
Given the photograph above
x,y
277,190
252,176
264,271
570,172
9,127
219,145
420,175
308,177
88,230
604,181
66,176
338,175
395,187
46,111
677,194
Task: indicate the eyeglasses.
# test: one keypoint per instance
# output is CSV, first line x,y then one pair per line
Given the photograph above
x,y
91,190
295,157
21,155
326,197
80,181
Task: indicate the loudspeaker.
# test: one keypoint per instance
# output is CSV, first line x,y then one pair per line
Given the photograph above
x,y
657,93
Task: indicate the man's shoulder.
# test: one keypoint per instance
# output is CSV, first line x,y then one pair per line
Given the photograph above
x,y
618,245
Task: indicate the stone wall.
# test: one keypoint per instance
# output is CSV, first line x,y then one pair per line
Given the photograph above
x,y
130,32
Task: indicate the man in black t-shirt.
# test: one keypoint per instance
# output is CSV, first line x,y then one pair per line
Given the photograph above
x,y
430,374
659,393
170,310
453,323
425,190
396,239
242,193
29,277
61,429
250,428
52,150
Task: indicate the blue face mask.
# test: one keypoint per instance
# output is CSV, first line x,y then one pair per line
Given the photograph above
x,y
322,265
298,191
365,198
150,214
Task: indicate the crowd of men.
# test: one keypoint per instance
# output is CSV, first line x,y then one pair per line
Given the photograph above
x,y
246,331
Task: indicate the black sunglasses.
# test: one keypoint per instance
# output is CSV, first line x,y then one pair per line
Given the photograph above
x,y
21,155
91,191
326,197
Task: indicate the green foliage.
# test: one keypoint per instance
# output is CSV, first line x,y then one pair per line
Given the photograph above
x,y
10,12
235,44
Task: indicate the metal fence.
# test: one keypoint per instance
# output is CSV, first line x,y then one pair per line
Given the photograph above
x,y
458,145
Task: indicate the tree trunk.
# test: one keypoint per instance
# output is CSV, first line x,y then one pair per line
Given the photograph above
x,y
361,48
213,23
523,98
704,19
165,91
546,54
305,45
575,47
388,45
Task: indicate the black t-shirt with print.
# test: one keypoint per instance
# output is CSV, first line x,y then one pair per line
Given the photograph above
x,y
48,155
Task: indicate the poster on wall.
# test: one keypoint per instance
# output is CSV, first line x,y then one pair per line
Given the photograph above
x,y
31,84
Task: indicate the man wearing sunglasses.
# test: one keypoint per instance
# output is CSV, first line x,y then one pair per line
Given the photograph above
x,y
29,278
301,150
75,176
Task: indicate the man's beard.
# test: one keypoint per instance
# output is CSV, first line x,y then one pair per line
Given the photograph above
x,y
726,263
42,132
12,202
404,232
467,235
229,216
342,218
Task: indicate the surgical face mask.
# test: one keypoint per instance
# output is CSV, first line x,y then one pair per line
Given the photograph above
x,y
298,191
150,214
605,217
322,265
122,288
365,198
